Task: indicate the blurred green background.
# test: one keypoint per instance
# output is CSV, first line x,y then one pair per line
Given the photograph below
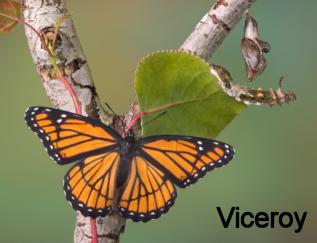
x,y
276,162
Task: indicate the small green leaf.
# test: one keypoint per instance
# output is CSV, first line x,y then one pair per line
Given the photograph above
x,y
9,10
182,85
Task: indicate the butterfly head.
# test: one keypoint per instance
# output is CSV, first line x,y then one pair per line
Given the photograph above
x,y
130,137
128,142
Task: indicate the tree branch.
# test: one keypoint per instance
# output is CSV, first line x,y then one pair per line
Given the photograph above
x,y
43,14
215,26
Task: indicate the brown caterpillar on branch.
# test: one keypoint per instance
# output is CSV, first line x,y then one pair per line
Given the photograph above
x,y
250,96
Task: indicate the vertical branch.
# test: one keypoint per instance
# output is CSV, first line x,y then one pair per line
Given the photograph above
x,y
42,15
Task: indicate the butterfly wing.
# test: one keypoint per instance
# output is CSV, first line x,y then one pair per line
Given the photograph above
x,y
184,159
148,192
90,184
69,137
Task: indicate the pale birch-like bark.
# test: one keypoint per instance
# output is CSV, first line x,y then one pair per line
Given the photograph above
x,y
215,26
43,14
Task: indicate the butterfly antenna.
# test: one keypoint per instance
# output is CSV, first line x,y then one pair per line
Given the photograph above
x,y
137,117
109,107
154,118
121,118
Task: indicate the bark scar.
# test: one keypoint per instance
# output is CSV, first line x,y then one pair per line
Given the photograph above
x,y
219,22
219,3
74,66
92,108
82,86
110,236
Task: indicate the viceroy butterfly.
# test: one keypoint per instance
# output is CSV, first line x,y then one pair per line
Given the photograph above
x,y
142,174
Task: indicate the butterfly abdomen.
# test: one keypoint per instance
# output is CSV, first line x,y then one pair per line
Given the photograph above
x,y
123,171
126,152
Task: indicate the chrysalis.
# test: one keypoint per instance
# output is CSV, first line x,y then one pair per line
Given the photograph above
x,y
253,49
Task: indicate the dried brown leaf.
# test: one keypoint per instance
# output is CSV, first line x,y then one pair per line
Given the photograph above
x,y
8,9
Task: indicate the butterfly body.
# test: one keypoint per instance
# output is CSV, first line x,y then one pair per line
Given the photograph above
x,y
138,177
126,154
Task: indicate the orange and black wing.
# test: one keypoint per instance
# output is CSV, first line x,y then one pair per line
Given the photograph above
x,y
184,159
148,192
69,137
90,184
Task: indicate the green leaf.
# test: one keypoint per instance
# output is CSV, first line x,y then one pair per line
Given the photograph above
x,y
9,10
182,85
